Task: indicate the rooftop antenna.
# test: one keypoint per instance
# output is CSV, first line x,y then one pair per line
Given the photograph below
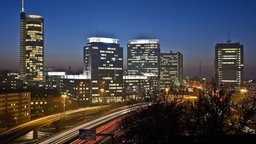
x,y
228,41
22,9
200,69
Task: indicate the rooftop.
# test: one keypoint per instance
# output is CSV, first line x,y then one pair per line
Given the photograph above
x,y
102,40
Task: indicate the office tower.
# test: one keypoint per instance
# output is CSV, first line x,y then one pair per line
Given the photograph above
x,y
103,64
143,58
31,48
229,63
171,69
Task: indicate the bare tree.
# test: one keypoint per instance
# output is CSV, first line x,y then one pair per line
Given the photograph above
x,y
214,114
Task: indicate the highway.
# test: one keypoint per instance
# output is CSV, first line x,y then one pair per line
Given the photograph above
x,y
108,129
72,133
15,132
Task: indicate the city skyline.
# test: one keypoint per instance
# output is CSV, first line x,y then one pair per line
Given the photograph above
x,y
190,28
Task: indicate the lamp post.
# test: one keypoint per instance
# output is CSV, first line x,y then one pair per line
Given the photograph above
x,y
64,109
64,103
133,90
102,92
167,94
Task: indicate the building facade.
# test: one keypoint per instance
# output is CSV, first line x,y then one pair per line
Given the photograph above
x,y
10,82
138,87
229,64
14,108
171,69
103,64
31,48
77,89
143,58
54,80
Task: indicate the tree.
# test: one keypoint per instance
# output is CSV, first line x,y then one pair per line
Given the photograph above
x,y
244,115
214,114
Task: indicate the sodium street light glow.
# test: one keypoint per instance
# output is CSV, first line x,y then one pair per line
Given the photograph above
x,y
243,90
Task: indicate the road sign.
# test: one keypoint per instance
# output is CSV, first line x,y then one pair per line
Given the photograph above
x,y
87,134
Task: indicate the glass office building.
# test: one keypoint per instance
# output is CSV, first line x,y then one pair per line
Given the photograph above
x,y
103,65
143,58
229,64
171,69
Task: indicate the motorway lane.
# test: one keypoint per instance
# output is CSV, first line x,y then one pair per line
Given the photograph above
x,y
71,133
15,132
108,129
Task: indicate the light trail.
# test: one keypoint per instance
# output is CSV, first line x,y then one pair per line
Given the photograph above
x,y
69,134
15,132
105,129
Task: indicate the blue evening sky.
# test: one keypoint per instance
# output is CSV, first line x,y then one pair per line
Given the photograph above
x,y
192,27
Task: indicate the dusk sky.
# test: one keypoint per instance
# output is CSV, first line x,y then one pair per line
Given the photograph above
x,y
192,27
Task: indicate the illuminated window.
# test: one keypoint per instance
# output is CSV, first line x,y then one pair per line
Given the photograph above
x,y
111,48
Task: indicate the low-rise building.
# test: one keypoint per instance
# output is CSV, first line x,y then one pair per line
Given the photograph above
x,y
9,82
14,108
138,87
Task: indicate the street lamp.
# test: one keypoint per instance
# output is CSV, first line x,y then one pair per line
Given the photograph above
x,y
102,92
64,103
64,108
167,94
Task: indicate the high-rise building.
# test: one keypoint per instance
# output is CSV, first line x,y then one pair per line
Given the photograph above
x,y
143,57
103,64
31,47
229,63
171,69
